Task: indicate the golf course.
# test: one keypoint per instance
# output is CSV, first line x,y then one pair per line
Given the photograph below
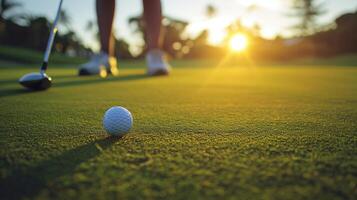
x,y
210,130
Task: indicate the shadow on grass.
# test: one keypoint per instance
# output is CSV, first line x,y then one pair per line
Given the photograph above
x,y
80,81
16,81
77,82
30,181
8,81
14,92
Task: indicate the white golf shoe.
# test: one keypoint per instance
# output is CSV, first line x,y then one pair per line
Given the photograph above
x,y
100,64
156,63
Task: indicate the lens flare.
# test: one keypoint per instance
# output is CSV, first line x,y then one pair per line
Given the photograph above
x,y
238,42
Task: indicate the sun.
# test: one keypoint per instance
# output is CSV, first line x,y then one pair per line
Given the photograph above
x,y
239,42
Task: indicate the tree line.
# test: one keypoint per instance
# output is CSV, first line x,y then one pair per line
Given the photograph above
x,y
311,39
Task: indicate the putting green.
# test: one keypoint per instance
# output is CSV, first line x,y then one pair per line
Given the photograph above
x,y
204,132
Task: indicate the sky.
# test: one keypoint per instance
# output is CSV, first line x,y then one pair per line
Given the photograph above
x,y
271,15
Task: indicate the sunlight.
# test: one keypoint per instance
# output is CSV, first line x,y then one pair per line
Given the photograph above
x,y
215,26
272,4
268,33
216,37
238,42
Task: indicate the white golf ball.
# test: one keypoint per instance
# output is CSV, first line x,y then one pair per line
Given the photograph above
x,y
117,121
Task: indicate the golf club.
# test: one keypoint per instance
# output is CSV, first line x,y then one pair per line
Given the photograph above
x,y
40,80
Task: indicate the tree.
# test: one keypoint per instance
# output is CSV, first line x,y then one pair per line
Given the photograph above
x,y
235,27
122,49
173,30
307,11
91,27
6,6
65,20
65,41
37,33
211,11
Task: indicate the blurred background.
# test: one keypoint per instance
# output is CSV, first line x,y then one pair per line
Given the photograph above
x,y
274,30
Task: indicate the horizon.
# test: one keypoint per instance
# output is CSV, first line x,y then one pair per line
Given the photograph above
x,y
265,15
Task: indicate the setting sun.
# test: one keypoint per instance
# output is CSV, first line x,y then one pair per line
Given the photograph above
x,y
238,42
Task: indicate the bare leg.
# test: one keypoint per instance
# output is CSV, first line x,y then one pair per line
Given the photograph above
x,y
152,18
105,15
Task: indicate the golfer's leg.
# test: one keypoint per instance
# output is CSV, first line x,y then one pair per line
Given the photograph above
x,y
152,18
105,15
104,62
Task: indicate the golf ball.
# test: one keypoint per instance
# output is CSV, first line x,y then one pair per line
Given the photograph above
x,y
117,121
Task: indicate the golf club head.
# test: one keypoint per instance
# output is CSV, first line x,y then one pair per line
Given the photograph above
x,y
36,81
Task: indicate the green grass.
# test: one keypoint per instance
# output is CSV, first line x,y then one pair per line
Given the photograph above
x,y
203,133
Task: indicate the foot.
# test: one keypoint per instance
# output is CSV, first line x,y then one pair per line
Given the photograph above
x,y
100,64
156,63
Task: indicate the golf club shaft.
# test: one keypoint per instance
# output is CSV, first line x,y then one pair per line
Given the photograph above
x,y
51,39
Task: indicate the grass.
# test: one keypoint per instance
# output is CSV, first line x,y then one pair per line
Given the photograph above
x,y
235,132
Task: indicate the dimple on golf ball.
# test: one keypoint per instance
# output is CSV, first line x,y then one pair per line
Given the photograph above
x,y
117,121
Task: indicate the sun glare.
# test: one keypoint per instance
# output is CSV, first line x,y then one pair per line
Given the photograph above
x,y
238,42
216,37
